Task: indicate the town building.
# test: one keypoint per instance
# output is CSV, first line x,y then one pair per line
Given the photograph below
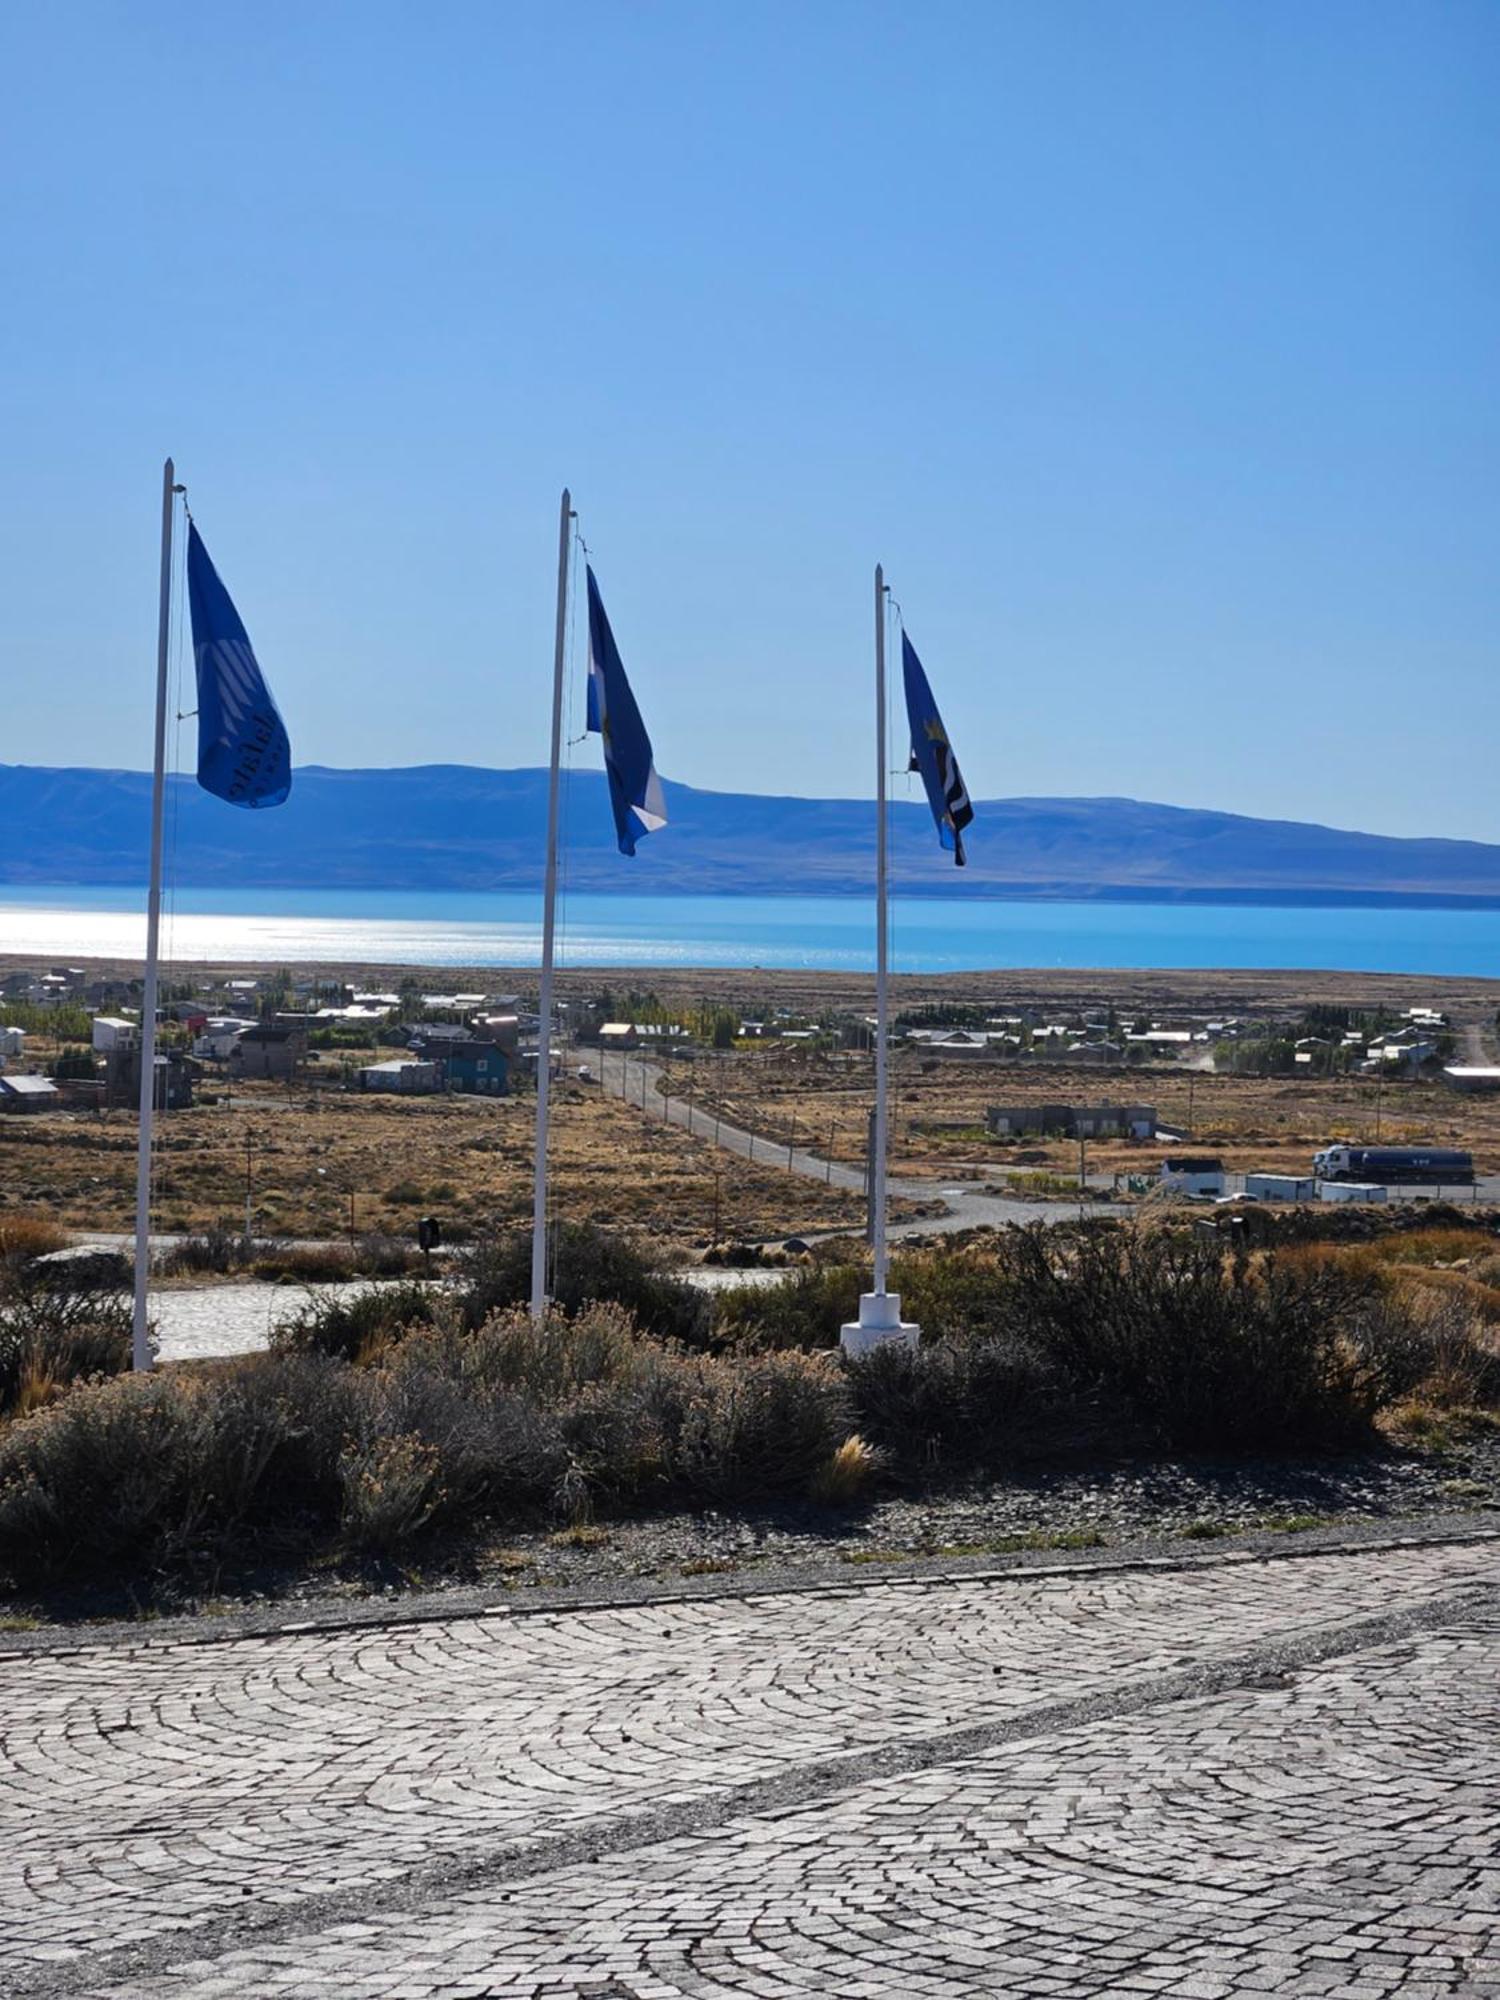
x,y
406,1076
1072,1121
29,1093
1194,1173
480,1068
268,1052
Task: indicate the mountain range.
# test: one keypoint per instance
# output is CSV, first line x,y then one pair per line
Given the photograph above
x,y
462,827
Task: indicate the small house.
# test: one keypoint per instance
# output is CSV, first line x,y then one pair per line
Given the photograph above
x,y
1194,1173
269,1052
481,1068
29,1093
408,1077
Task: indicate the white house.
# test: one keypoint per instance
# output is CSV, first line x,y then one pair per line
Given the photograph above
x,y
1194,1173
112,1031
12,1042
220,1033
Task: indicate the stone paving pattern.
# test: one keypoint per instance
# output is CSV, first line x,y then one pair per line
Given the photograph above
x,y
1335,1834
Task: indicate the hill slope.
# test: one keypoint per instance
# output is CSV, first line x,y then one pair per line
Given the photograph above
x,y
447,826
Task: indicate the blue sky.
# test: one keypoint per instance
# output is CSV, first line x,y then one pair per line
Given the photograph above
x,y
1154,348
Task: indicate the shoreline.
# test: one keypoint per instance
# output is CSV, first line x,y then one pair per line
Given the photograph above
x,y
1245,988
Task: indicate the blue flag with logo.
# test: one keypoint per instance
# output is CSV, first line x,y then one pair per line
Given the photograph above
x,y
932,755
634,789
243,752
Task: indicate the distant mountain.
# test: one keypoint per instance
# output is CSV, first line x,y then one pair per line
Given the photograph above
x,y
453,826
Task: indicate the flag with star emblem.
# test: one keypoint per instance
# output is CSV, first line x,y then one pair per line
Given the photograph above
x,y
243,752
635,790
932,755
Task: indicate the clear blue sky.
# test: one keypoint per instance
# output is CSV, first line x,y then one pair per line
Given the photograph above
x,y
1154,348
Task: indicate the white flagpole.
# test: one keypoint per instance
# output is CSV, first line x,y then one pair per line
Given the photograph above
x,y
549,924
140,1344
882,1036
880,1320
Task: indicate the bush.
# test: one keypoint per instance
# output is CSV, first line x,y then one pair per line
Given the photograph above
x,y
586,1264
306,1263
53,1334
354,1326
26,1236
153,1470
966,1404
219,1248
766,1424
391,1490
803,1310
1210,1353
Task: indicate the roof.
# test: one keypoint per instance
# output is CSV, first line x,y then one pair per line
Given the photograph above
x,y
28,1086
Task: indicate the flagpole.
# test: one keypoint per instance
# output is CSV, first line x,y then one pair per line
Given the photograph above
x,y
140,1343
549,924
880,1320
882,967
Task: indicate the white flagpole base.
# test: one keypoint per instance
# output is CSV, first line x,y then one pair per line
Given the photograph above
x,y
879,1325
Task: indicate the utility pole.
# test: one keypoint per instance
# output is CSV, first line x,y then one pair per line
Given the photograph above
x,y
1192,1081
249,1235
718,1233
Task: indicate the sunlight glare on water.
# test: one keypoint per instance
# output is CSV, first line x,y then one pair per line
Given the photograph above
x,y
407,927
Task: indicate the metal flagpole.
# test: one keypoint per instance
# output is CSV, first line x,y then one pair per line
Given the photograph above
x,y
880,1318
881,967
549,925
140,1344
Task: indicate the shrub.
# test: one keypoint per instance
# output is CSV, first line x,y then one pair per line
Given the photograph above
x,y
156,1469
803,1310
306,1263
1209,1352
965,1403
26,1236
51,1336
354,1326
391,1491
761,1425
586,1264
219,1248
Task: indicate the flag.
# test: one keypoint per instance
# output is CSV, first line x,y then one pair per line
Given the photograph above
x,y
634,788
932,755
243,752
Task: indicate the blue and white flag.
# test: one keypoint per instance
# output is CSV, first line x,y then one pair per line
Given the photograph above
x,y
634,788
932,755
243,752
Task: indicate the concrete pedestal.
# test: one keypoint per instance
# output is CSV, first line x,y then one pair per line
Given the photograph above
x,y
879,1323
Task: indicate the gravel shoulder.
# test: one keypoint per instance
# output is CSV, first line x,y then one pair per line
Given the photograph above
x,y
1170,1509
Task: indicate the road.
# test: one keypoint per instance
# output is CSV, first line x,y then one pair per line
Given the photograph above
x,y
966,1208
1199,1776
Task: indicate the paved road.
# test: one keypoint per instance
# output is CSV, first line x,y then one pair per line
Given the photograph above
x,y
966,1208
1234,1777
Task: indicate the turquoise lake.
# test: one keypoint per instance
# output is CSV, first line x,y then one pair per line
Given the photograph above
x,y
952,934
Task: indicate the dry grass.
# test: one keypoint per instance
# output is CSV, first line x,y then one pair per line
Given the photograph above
x,y
23,1236
467,1161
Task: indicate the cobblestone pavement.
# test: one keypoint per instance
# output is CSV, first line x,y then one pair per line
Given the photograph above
x,y
410,1810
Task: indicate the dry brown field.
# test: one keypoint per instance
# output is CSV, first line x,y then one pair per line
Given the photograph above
x,y
466,1160
1251,1122
469,1161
